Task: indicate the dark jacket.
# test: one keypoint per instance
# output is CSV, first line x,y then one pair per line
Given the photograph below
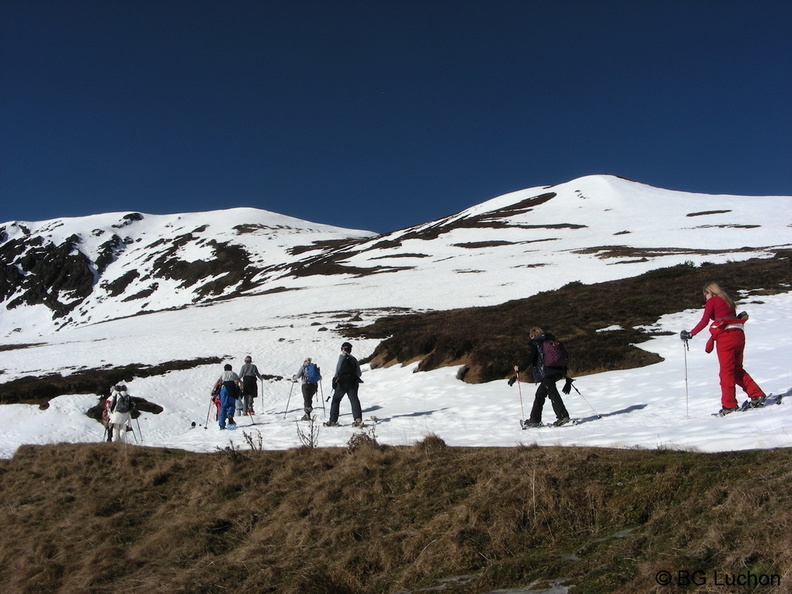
x,y
536,359
347,370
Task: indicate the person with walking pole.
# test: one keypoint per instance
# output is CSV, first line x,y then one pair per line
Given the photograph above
x,y
548,360
728,336
248,374
120,409
228,384
309,376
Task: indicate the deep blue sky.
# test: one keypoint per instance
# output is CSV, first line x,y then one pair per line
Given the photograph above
x,y
380,114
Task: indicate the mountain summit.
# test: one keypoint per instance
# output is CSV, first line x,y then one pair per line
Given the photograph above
x,y
71,272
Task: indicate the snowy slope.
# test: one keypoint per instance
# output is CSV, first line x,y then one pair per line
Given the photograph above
x,y
299,289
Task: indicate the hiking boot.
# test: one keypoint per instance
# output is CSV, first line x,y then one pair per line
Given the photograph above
x,y
759,401
530,423
330,424
359,423
725,411
562,421
222,428
306,417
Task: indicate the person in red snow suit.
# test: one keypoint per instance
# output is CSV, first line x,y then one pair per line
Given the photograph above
x,y
728,336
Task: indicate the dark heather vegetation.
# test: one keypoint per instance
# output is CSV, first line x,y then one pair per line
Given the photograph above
x,y
41,389
106,518
488,341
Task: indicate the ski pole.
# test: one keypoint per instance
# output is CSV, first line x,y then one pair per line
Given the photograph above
x,y
128,427
208,412
599,416
519,390
289,399
686,348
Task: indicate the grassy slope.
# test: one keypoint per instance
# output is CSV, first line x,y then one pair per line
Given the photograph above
x,y
111,518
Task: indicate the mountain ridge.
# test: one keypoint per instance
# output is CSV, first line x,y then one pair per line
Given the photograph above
x,y
100,267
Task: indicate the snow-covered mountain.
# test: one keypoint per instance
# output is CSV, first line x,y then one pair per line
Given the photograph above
x,y
102,267
243,281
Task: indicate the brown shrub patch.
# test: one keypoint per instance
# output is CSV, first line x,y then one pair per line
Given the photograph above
x,y
40,390
490,340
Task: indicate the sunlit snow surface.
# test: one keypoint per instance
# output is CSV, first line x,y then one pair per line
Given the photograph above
x,y
651,407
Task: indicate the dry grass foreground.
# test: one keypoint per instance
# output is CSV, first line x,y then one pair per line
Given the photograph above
x,y
114,518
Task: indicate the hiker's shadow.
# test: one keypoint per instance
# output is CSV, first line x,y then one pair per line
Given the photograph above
x,y
623,411
405,415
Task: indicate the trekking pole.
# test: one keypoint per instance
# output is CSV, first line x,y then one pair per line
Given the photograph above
x,y
289,399
519,391
686,348
321,396
208,412
137,420
128,427
599,416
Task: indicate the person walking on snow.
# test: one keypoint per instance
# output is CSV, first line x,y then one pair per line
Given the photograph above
x,y
106,415
228,383
249,375
728,336
546,377
309,375
120,409
346,382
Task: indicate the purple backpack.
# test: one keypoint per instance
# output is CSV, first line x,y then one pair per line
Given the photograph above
x,y
554,354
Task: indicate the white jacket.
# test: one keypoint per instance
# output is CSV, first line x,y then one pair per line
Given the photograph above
x,y
118,417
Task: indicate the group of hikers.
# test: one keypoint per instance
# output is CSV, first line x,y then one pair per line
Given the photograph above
x,y
233,394
726,337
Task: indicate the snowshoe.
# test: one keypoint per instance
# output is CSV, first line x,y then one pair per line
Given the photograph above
x,y
527,424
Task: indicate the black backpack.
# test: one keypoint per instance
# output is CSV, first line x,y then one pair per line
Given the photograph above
x,y
232,389
122,403
348,368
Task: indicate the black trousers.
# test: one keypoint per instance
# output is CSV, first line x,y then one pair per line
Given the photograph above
x,y
308,392
547,388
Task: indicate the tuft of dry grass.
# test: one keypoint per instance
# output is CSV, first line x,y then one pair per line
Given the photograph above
x,y
371,518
